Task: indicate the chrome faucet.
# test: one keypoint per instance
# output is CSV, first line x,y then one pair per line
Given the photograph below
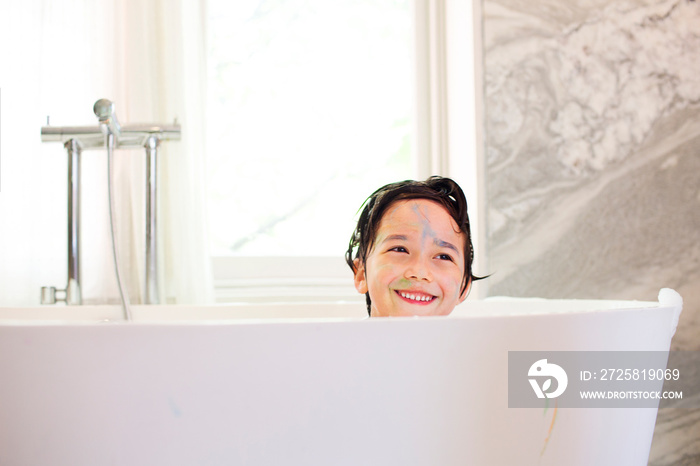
x,y
78,138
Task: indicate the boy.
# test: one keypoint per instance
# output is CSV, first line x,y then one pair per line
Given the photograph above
x,y
411,251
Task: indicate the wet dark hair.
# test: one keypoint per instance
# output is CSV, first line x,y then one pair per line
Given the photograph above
x,y
444,191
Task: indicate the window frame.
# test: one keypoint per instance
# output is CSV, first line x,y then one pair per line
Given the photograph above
x,y
449,141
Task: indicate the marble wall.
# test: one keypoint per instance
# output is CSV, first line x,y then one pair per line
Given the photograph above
x,y
593,161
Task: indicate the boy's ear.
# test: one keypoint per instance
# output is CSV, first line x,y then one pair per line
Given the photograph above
x,y
463,296
360,276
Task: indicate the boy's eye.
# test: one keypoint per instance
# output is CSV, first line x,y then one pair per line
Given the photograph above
x,y
399,249
445,257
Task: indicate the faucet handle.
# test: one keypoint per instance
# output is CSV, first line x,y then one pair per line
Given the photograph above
x,y
50,295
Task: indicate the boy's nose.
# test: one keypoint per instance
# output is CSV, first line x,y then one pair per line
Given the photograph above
x,y
418,269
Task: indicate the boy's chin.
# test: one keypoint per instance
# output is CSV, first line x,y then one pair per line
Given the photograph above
x,y
410,310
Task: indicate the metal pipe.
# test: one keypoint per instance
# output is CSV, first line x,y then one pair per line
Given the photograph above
x,y
92,137
73,293
151,285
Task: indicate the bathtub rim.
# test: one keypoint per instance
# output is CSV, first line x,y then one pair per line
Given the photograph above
x,y
257,313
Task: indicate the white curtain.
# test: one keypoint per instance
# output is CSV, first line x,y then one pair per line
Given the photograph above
x,y
164,77
58,59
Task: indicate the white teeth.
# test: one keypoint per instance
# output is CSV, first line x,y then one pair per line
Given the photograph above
x,y
416,297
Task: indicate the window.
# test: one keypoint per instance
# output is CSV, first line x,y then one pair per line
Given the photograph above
x,y
312,105
310,110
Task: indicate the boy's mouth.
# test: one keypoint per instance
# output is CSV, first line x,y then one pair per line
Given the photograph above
x,y
415,297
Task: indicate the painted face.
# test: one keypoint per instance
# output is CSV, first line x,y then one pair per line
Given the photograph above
x,y
417,262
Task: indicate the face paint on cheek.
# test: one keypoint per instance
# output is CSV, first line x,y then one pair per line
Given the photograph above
x,y
374,271
383,266
403,284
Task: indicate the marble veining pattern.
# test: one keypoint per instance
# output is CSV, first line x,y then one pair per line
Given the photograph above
x,y
585,95
593,161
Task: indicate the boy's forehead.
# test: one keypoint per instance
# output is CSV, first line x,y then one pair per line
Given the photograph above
x,y
420,214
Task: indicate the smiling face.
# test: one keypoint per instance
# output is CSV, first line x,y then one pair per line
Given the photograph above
x,y
416,264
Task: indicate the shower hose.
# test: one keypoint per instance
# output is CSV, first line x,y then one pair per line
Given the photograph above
x,y
123,292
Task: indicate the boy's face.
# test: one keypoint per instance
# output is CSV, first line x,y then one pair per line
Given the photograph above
x,y
417,262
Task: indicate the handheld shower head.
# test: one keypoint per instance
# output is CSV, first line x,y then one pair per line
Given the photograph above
x,y
104,111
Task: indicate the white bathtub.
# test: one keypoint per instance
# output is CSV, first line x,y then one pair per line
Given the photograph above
x,y
309,385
